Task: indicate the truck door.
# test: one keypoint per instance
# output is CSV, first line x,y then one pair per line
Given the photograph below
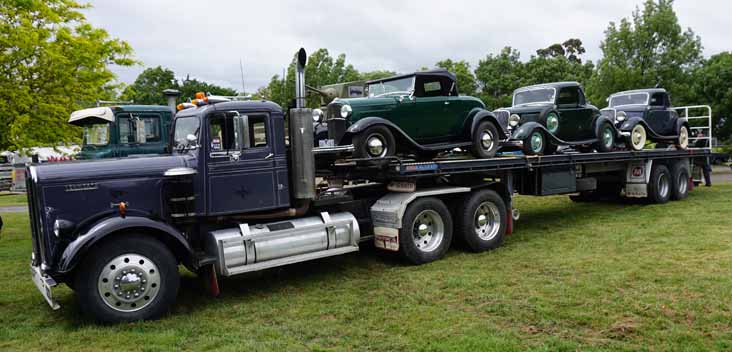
x,y
241,170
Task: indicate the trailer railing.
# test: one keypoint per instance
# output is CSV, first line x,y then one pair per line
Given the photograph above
x,y
700,121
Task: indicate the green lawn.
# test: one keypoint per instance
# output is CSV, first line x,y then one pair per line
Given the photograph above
x,y
7,199
572,277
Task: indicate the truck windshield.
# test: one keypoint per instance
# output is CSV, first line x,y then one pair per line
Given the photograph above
x,y
183,127
629,99
398,86
96,134
533,96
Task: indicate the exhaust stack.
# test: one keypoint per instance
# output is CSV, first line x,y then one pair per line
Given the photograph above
x,y
301,138
172,96
300,79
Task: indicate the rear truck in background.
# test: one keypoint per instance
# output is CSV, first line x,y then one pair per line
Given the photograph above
x,y
234,197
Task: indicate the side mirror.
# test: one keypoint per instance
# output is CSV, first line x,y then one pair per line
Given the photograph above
x,y
192,141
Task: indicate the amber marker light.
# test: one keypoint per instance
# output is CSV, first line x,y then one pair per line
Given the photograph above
x,y
122,209
200,96
179,107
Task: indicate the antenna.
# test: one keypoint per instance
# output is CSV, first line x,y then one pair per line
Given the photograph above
x,y
241,68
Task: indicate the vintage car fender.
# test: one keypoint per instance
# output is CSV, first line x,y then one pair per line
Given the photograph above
x,y
599,120
363,124
628,125
482,115
523,131
108,226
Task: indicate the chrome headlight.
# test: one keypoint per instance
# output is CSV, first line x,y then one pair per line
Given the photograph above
x,y
317,115
552,122
62,227
346,111
514,120
621,116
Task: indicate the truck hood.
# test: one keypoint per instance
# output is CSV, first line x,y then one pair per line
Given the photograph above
x,y
96,170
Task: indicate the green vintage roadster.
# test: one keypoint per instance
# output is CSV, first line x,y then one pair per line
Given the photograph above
x,y
420,114
546,116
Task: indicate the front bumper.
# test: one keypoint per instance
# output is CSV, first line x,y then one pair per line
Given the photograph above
x,y
45,285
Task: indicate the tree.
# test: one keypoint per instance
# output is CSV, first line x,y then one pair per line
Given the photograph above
x,y
189,87
498,76
648,49
52,62
149,85
711,86
465,77
378,74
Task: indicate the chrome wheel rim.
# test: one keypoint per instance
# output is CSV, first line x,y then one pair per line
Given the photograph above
x,y
638,137
428,230
129,282
376,144
486,140
682,182
537,142
683,137
663,186
486,221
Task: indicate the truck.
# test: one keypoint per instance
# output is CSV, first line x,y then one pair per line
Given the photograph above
x,y
234,197
121,129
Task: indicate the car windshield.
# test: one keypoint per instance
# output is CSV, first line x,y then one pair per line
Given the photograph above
x,y
183,127
629,99
398,86
533,96
96,134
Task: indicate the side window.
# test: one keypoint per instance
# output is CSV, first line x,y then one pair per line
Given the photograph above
x,y
569,96
257,127
223,136
432,89
128,132
658,99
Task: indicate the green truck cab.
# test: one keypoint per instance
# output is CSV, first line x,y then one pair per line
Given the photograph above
x,y
121,131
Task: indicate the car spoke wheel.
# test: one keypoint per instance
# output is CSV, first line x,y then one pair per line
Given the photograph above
x,y
637,137
683,141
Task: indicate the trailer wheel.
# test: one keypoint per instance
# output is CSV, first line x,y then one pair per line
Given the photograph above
x,y
480,220
680,176
128,278
426,231
660,185
485,140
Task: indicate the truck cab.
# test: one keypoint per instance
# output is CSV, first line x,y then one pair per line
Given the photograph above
x,y
121,131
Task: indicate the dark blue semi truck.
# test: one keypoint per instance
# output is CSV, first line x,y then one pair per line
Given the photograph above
x,y
242,193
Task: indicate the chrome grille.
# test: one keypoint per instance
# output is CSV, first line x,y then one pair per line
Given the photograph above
x,y
333,111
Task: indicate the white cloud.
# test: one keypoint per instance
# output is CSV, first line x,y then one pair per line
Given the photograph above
x,y
206,39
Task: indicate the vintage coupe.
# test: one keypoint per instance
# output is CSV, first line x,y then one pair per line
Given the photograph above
x,y
419,113
646,114
546,116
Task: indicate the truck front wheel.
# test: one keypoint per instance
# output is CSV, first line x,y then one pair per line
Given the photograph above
x,y
426,231
127,278
481,220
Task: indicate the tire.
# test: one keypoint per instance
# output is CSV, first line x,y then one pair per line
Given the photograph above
x,y
149,269
637,139
660,185
680,184
423,244
481,220
682,142
374,135
606,138
485,140
535,143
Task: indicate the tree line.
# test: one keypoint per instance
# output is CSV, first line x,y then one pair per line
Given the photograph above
x,y
52,61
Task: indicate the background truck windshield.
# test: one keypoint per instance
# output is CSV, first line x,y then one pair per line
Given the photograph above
x,y
404,85
540,95
96,134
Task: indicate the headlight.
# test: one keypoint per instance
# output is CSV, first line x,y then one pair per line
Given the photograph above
x,y
620,116
552,122
346,111
62,227
317,115
514,120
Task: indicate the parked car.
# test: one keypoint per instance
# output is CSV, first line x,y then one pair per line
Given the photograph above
x,y
546,116
419,113
646,114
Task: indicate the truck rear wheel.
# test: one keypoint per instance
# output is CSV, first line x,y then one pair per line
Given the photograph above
x,y
480,220
426,231
127,279
680,184
659,187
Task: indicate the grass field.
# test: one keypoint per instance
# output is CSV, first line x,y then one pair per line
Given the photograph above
x,y
7,199
573,276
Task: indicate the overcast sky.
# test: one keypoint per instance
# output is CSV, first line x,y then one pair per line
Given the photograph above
x,y
206,39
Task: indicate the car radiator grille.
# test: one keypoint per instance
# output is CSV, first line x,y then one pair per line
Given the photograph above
x,y
334,111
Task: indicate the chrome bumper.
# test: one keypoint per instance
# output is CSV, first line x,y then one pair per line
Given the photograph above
x,y
45,284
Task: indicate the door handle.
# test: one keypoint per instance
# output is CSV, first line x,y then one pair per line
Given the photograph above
x,y
269,156
234,156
